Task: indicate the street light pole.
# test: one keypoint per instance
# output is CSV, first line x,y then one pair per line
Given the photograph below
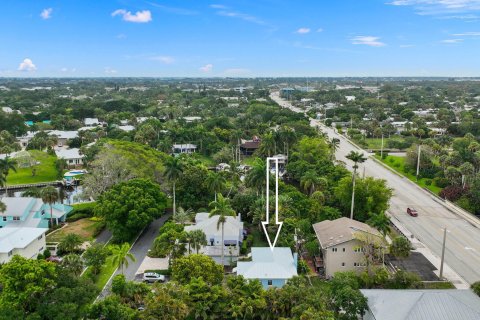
x,y
418,160
443,252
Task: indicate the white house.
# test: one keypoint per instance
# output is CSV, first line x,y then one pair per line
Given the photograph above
x,y
350,98
126,128
233,236
72,156
26,242
91,122
192,119
184,148
272,267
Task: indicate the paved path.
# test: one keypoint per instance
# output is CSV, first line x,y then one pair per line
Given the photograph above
x,y
463,240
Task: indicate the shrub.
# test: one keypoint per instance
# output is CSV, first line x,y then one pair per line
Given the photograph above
x,y
302,267
40,257
428,182
244,248
453,193
441,182
476,288
47,254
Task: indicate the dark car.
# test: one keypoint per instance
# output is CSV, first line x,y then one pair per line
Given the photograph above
x,y
412,212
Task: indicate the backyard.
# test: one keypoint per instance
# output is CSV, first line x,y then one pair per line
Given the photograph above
x,y
85,228
398,164
44,171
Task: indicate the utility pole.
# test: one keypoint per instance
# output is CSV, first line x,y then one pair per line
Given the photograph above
x,y
353,196
381,150
443,252
418,160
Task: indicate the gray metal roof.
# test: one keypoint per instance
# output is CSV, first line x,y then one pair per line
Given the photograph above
x,y
448,304
268,264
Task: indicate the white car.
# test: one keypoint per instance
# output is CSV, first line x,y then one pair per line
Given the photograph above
x,y
151,277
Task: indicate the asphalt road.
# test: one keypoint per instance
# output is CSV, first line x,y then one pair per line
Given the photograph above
x,y
140,250
462,252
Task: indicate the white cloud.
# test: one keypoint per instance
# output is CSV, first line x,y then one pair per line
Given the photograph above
x,y
303,30
207,68
467,34
65,70
450,41
218,6
109,70
439,7
46,13
139,17
236,72
368,41
163,59
27,65
319,30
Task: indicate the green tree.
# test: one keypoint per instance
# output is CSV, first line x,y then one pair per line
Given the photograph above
x,y
183,216
130,206
6,165
112,308
173,171
310,181
73,263
216,183
170,302
50,196
380,222
95,256
26,282
334,145
70,243
476,288
400,247
257,176
121,255
221,208
185,269
196,239
356,157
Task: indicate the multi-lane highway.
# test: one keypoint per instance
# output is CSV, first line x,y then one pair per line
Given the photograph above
x,y
463,238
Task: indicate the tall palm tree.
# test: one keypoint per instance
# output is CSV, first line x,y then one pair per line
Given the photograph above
x,y
309,181
73,263
173,171
222,208
257,175
334,144
215,182
121,254
198,239
268,146
70,243
356,157
6,165
235,174
50,195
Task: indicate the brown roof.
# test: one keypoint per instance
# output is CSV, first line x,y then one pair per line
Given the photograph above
x,y
250,144
330,233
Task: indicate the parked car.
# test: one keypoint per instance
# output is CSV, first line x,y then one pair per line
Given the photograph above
x,y
412,212
151,277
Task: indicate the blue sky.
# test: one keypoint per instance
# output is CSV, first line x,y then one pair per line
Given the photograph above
x,y
77,38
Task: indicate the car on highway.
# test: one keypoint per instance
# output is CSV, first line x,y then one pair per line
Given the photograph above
x,y
412,212
151,277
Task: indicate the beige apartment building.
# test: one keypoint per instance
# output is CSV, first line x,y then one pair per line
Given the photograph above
x,y
341,249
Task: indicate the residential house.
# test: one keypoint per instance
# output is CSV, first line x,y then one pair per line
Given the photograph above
x,y
342,250
233,234
248,147
71,156
91,122
25,242
350,98
192,119
445,304
31,213
126,128
63,136
273,267
184,148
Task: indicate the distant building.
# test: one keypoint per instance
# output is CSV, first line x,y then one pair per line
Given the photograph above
x,y
446,304
272,267
91,122
192,119
25,242
341,250
248,147
71,156
29,212
232,236
63,136
286,92
126,128
350,98
184,148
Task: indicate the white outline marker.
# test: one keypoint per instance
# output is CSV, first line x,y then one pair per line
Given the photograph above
x,y
267,220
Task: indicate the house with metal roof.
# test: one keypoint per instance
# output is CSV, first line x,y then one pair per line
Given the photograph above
x,y
342,250
450,304
272,267
26,212
232,236
26,242
71,156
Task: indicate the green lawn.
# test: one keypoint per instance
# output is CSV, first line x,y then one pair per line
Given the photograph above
x,y
398,164
45,171
376,143
258,237
102,278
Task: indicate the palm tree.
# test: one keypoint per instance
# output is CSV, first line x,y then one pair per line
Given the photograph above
x,y
257,175
73,263
121,254
50,195
6,165
222,208
235,174
215,182
198,239
173,171
309,181
70,243
32,192
334,144
356,157
182,215
268,146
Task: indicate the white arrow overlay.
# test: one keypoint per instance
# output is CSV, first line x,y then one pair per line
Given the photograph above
x,y
267,211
